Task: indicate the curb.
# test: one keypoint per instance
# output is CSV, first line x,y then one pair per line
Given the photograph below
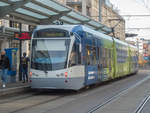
x,y
10,91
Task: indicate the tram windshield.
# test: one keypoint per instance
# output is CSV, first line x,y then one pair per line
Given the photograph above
x,y
49,54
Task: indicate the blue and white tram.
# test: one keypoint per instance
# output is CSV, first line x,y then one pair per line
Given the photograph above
x,y
70,57
56,58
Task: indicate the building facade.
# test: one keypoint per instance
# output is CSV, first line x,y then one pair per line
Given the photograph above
x,y
100,10
7,39
112,19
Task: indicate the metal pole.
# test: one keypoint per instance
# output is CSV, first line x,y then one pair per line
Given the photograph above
x,y
113,31
20,49
100,10
84,2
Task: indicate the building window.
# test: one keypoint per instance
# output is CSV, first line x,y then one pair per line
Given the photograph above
x,y
13,24
15,44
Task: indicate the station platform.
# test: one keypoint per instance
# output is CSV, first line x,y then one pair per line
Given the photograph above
x,y
13,88
133,100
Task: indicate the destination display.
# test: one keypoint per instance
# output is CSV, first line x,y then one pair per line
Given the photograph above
x,y
51,33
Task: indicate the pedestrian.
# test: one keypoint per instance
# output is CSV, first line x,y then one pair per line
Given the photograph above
x,y
5,66
24,64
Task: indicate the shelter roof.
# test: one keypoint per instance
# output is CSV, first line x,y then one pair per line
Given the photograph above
x,y
36,12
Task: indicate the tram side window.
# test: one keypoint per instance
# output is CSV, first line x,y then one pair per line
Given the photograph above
x,y
94,55
109,53
106,53
88,52
78,54
91,55
119,55
105,57
98,55
75,56
109,57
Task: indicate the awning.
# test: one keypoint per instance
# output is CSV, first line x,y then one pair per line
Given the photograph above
x,y
35,12
7,32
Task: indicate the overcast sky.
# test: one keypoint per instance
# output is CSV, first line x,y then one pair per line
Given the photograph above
x,y
135,7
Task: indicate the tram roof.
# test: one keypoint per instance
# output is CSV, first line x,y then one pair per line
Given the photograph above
x,y
132,46
124,43
121,42
36,12
71,27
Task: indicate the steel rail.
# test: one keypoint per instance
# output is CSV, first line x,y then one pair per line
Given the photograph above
x,y
141,106
115,97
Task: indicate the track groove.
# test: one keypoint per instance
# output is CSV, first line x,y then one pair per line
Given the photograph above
x,y
141,106
115,97
44,102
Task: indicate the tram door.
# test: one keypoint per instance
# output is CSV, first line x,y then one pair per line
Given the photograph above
x,y
99,61
91,64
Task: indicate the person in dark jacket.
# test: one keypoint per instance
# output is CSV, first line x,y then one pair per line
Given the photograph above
x,y
24,62
5,66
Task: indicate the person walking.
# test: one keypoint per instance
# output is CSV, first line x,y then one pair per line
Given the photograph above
x,y
24,65
5,66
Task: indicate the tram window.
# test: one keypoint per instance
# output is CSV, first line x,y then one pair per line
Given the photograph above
x,y
97,58
91,55
106,53
103,57
126,54
98,54
109,63
75,56
94,55
105,62
103,52
88,52
78,53
72,60
109,53
100,51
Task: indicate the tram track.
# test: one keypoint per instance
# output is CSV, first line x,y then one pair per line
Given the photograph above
x,y
49,96
142,105
44,102
117,96
24,96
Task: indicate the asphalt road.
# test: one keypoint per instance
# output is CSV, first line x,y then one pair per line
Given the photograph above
x,y
67,101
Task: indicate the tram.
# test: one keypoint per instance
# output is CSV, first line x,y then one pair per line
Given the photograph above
x,y
75,56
